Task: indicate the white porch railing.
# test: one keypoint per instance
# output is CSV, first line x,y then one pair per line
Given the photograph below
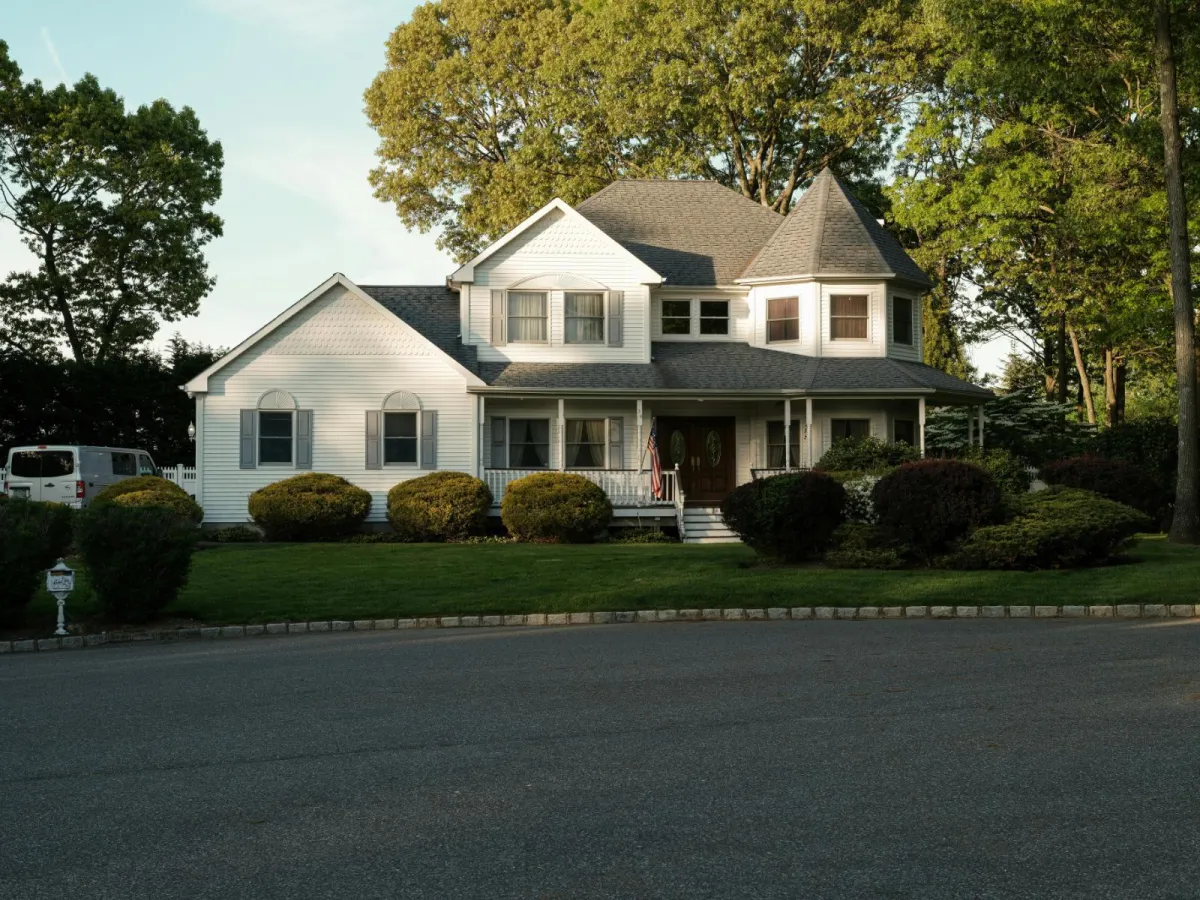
x,y
625,487
756,474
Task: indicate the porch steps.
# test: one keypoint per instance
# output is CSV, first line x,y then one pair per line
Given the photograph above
x,y
704,525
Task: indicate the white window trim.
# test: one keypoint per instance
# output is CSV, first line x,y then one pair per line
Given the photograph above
x,y
829,315
694,318
767,320
258,437
508,420
508,316
607,426
383,414
604,301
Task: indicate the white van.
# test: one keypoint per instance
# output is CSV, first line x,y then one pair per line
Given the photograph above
x,y
71,474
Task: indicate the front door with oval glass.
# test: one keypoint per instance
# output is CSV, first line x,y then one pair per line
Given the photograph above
x,y
703,450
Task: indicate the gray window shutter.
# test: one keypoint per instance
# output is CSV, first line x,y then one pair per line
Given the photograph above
x,y
616,318
249,421
499,441
304,426
616,443
372,440
498,319
428,439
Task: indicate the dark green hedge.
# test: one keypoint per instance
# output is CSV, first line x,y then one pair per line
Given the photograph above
x,y
1116,479
440,506
787,517
33,536
867,454
310,507
928,505
555,507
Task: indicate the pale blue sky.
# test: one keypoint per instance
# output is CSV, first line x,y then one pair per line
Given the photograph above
x,y
280,84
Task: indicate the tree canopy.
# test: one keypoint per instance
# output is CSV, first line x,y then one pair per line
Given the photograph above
x,y
116,207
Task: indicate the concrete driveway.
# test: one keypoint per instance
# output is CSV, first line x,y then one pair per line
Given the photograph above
x,y
916,759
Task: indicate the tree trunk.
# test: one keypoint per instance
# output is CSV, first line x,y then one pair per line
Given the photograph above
x,y
1120,392
1085,383
1110,387
1060,380
1185,526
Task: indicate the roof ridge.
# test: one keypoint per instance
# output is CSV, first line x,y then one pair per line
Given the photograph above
x,y
814,259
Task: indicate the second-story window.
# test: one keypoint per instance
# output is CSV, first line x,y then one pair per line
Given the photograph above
x,y
848,317
902,320
677,317
714,317
584,316
783,319
527,317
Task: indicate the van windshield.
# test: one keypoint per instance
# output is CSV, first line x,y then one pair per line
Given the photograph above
x,y
42,464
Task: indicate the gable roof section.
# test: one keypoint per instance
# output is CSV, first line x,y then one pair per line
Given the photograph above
x,y
721,366
199,384
432,310
466,272
829,232
690,232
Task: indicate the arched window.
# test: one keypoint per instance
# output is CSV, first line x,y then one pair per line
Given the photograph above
x,y
276,429
395,431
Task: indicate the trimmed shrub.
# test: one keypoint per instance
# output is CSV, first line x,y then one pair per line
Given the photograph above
x,y
1057,528
138,484
866,454
184,507
786,517
930,504
32,538
440,506
309,507
1115,479
137,557
555,507
1010,472
862,546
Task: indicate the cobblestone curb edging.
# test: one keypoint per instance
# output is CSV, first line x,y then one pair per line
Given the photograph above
x,y
736,614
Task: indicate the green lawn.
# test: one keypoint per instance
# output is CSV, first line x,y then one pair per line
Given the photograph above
x,y
270,583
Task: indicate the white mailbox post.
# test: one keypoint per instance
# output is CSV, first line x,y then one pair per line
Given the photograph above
x,y
60,581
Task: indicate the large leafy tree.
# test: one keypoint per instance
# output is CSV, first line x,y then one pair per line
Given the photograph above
x,y
116,207
488,108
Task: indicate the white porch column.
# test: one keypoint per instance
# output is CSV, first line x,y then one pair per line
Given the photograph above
x,y
199,448
562,434
640,442
482,436
808,429
921,423
980,426
787,433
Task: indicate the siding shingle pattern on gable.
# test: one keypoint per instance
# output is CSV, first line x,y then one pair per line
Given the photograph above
x,y
430,309
689,232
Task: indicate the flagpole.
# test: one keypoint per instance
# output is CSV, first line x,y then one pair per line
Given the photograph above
x,y
646,446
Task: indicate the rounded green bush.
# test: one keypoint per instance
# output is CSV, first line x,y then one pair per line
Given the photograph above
x,y
310,507
136,485
1011,473
184,506
787,517
1115,479
1058,528
440,506
930,504
555,507
33,536
137,557
866,454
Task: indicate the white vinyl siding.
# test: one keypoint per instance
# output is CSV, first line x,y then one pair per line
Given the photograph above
x,y
700,313
329,359
875,343
912,352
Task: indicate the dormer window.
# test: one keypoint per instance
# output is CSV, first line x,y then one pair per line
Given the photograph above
x,y
848,317
714,317
902,320
584,318
677,317
527,317
783,319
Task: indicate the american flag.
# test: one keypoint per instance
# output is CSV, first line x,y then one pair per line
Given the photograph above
x,y
656,476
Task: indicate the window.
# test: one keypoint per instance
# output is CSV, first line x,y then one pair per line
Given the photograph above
x,y
677,317
714,317
840,429
902,320
775,457
529,443
400,438
275,438
527,316
848,317
124,464
585,443
783,319
42,464
905,432
584,319
146,465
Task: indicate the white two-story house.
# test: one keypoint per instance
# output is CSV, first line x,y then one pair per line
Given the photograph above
x,y
750,341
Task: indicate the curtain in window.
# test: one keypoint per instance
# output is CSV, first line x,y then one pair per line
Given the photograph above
x,y
585,443
783,319
849,428
775,455
526,316
584,318
848,318
529,443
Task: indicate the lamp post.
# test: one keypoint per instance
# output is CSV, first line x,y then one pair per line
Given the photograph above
x,y
60,581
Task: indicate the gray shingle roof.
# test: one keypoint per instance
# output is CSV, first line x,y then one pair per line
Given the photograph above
x,y
717,366
828,232
432,310
689,232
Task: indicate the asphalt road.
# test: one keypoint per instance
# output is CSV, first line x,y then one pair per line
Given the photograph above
x,y
928,760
